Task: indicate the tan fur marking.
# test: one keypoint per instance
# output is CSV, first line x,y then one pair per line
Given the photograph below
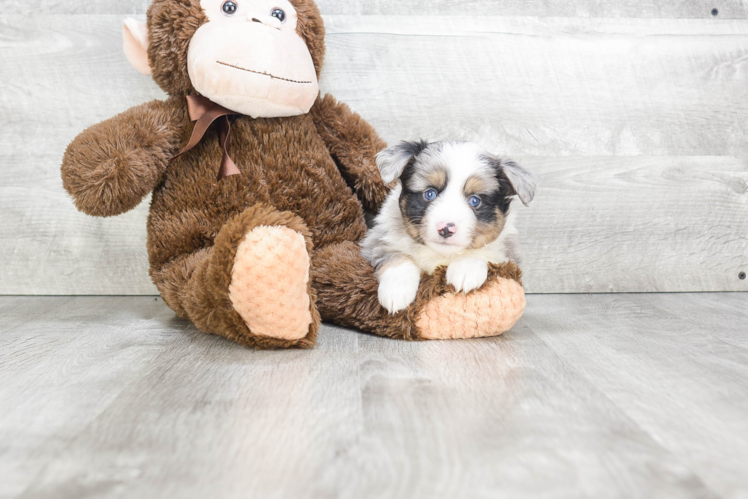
x,y
437,178
433,177
485,233
480,185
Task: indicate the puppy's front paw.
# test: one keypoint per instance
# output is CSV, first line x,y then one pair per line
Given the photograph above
x,y
467,274
398,287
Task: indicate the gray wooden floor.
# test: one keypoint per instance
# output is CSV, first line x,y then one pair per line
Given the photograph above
x,y
590,396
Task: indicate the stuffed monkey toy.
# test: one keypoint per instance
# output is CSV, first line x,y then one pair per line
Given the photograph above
x,y
259,184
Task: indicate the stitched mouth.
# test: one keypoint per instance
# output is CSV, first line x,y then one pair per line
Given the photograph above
x,y
262,73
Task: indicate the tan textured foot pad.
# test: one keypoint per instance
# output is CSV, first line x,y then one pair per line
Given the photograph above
x,y
486,313
269,283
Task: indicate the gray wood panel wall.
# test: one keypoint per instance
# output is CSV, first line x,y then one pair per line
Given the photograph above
x,y
634,113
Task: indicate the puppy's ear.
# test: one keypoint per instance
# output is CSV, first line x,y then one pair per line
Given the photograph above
x,y
392,161
524,183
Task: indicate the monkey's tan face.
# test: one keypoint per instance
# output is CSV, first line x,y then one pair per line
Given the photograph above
x,y
250,59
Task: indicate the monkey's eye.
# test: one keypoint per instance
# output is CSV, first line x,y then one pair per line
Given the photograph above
x,y
430,194
229,8
279,14
475,202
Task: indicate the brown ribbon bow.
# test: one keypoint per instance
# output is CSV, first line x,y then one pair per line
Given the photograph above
x,y
204,111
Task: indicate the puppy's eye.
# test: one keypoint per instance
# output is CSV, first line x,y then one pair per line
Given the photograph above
x,y
229,8
430,194
475,202
279,14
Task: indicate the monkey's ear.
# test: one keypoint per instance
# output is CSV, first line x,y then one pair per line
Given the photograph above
x,y
135,35
392,161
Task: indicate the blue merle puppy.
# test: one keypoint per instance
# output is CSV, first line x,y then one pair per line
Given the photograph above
x,y
452,207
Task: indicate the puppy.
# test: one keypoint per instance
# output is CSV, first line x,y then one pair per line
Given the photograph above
x,y
452,207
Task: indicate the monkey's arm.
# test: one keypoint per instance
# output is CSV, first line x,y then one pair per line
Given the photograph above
x,y
110,167
354,145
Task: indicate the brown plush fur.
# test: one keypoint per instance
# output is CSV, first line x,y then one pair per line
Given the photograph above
x,y
353,145
312,173
112,166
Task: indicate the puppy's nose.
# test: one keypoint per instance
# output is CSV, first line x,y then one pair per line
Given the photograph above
x,y
446,229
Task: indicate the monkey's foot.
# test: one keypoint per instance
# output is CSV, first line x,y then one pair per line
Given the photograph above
x,y
270,283
348,295
488,312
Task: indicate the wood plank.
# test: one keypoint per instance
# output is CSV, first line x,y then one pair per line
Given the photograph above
x,y
699,9
672,363
551,87
725,307
636,125
17,311
636,224
72,7
731,9
112,398
597,225
53,249
63,361
557,87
